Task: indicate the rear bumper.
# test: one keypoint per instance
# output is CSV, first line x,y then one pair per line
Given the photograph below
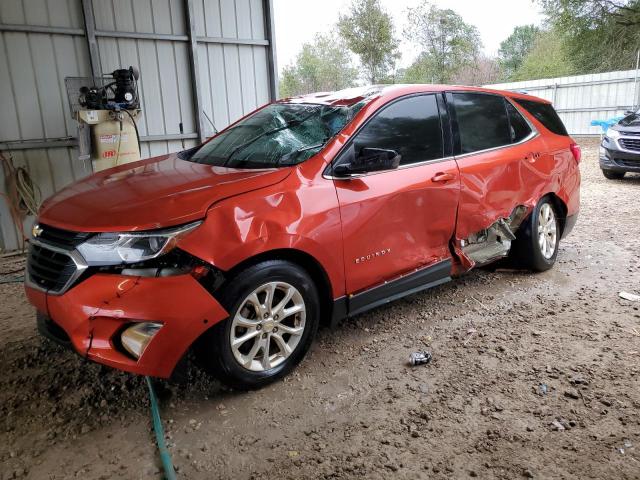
x,y
617,160
90,317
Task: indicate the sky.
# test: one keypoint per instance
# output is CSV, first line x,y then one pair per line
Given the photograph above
x,y
297,21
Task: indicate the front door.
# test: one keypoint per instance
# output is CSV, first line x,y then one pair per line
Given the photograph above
x,y
396,221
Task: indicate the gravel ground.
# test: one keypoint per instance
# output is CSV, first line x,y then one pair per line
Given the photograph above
x,y
534,376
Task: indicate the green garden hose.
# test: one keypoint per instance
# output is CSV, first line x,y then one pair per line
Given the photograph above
x,y
167,465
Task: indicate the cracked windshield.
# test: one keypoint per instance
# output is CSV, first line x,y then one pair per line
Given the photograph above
x,y
278,135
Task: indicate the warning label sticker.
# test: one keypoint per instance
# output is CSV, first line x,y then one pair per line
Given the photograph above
x,y
113,138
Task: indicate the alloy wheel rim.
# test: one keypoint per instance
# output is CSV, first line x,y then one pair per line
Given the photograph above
x,y
547,231
268,326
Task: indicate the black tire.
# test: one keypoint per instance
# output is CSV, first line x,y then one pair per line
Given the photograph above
x,y
525,250
612,175
214,349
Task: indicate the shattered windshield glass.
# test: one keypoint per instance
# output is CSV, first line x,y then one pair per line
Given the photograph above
x,y
279,135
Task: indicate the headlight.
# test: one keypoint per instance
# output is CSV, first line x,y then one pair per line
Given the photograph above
x,y
131,247
613,134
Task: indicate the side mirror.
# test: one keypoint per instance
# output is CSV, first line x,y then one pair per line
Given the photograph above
x,y
367,160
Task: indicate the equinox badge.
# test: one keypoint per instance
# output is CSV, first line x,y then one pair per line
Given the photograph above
x,y
373,255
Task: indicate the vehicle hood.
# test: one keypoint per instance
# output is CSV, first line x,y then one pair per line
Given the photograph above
x,y
630,123
154,193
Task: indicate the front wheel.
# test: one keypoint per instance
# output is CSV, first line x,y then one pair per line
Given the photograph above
x,y
273,316
611,175
536,245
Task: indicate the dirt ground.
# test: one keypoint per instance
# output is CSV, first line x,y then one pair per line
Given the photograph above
x,y
534,375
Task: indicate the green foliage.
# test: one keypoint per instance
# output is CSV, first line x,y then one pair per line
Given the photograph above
x,y
598,35
515,48
448,43
546,59
368,32
322,65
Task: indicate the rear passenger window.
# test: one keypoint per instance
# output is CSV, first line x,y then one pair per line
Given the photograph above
x,y
545,114
410,126
520,129
482,121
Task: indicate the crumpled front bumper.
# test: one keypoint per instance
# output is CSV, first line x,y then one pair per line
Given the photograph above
x,y
93,314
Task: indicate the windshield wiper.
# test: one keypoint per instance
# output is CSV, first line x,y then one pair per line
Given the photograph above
x,y
295,153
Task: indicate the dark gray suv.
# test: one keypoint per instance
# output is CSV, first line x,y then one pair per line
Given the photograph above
x,y
620,149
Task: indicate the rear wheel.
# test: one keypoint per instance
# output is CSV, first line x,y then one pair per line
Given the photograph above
x,y
611,175
273,316
536,245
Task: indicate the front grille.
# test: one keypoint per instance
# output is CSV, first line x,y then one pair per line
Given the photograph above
x,y
628,163
631,134
630,144
62,238
50,270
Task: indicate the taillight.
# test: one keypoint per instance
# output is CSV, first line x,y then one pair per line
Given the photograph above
x,y
576,152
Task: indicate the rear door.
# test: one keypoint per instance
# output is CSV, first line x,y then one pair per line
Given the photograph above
x,y
497,150
399,220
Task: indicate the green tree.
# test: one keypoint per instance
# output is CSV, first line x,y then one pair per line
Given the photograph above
x,y
368,32
322,65
447,42
515,48
546,59
598,35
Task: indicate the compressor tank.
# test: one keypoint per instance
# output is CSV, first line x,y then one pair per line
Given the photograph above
x,y
114,140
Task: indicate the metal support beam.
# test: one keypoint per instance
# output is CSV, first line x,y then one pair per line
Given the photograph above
x,y
171,37
41,143
38,29
92,42
142,36
196,91
233,41
168,137
270,32
38,143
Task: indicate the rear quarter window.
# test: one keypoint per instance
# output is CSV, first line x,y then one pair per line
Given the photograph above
x,y
519,127
545,114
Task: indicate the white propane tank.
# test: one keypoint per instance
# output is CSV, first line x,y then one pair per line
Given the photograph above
x,y
114,139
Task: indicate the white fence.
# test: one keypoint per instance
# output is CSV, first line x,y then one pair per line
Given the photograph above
x,y
583,98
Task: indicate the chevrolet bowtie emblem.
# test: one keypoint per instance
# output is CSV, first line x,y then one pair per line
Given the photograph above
x,y
36,231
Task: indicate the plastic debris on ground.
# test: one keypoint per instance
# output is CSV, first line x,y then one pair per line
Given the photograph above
x,y
632,297
419,358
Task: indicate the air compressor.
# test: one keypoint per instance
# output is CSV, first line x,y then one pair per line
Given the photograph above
x,y
107,110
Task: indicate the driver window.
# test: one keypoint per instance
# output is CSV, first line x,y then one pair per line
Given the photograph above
x,y
410,126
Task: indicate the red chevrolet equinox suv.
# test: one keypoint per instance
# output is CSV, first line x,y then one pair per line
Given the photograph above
x,y
308,210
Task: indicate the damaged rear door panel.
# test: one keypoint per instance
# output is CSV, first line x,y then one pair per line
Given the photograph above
x,y
504,170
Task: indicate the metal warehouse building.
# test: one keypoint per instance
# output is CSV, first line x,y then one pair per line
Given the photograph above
x,y
202,63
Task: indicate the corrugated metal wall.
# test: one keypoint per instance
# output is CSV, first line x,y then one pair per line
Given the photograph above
x,y
235,77
582,98
44,41
165,85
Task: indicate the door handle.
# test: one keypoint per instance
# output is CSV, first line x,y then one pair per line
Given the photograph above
x,y
443,177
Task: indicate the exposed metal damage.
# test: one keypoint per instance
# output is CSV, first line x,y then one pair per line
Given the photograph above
x,y
494,242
